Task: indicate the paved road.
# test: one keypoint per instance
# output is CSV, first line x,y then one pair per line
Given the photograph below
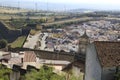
x,y
31,41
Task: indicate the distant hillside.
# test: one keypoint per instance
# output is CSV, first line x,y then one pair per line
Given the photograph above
x,y
81,10
12,10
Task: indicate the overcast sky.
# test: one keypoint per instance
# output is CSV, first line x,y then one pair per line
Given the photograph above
x,y
89,4
114,2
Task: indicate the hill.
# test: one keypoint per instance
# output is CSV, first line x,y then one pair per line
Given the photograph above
x,y
12,10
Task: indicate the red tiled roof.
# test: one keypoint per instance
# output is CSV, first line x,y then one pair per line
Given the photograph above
x,y
29,56
108,53
15,60
7,56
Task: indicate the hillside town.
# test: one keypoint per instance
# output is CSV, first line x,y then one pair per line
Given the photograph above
x,y
67,38
51,45
71,48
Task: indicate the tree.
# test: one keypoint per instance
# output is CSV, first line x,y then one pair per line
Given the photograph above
x,y
4,72
57,77
11,19
42,20
117,76
3,43
38,27
32,32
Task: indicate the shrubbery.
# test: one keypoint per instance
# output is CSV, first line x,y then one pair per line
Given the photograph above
x,y
3,43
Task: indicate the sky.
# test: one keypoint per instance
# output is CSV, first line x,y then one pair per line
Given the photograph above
x,y
68,4
112,2
79,1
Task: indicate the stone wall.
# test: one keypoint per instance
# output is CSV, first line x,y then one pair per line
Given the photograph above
x,y
48,55
108,73
7,34
55,56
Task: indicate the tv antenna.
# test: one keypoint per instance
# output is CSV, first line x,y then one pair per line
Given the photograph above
x,y
18,5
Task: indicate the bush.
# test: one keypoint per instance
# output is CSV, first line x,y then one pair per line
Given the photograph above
x,y
32,32
4,72
3,43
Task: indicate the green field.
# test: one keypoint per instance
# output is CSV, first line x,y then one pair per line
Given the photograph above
x,y
18,42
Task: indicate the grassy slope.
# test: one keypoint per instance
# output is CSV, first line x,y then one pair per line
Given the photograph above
x,y
18,42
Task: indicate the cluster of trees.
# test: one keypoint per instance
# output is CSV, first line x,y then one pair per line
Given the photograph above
x,y
117,76
43,20
46,73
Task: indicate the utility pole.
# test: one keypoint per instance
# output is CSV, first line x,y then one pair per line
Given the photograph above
x,y
64,10
36,6
47,5
47,9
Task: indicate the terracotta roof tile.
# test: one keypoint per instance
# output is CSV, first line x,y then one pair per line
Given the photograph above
x,y
29,56
15,61
108,53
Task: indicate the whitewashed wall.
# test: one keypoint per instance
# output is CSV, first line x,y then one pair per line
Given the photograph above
x,y
93,69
